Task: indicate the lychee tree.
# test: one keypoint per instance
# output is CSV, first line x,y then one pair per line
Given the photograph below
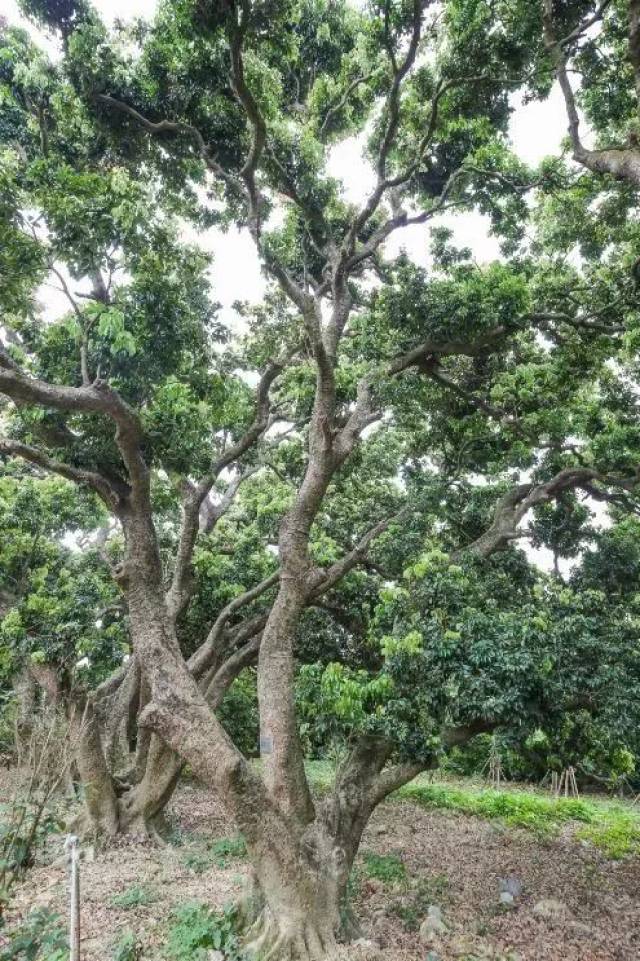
x,y
364,390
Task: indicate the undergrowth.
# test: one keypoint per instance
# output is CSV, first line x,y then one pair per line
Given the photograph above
x,y
40,936
195,930
217,854
134,897
613,829
384,867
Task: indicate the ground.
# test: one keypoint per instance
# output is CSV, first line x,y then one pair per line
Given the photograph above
x,y
136,897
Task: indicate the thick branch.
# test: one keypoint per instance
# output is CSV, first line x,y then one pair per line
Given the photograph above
x,y
103,487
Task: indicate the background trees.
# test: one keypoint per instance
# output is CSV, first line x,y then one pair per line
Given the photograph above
x,y
329,482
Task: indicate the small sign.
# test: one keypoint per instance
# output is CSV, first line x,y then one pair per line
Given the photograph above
x,y
266,745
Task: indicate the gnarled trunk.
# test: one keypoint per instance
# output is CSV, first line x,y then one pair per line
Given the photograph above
x,y
101,816
295,907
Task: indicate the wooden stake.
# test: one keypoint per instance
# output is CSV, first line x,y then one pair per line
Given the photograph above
x,y
71,846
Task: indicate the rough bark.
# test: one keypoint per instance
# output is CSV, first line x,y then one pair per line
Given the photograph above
x,y
25,689
101,804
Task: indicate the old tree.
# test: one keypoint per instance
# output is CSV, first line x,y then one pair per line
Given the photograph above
x,y
250,493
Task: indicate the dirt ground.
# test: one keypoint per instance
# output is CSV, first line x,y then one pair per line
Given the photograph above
x,y
453,861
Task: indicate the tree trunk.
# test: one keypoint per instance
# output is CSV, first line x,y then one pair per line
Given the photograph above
x,y
25,689
142,807
294,908
101,818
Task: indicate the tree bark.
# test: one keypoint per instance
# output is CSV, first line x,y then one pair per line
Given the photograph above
x,y
25,689
101,804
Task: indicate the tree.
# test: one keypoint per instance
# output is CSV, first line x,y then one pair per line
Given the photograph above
x,y
219,113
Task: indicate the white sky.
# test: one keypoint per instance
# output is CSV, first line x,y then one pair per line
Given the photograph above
x,y
537,130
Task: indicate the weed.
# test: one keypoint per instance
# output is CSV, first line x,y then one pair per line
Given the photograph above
x,y
134,897
611,828
40,936
218,854
127,947
384,867
412,907
617,838
196,930
229,849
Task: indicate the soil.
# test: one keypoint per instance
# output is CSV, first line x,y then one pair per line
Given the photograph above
x,y
453,861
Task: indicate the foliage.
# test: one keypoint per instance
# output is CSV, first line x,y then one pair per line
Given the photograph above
x,y
196,929
414,903
126,947
612,828
218,853
41,937
384,867
239,713
133,897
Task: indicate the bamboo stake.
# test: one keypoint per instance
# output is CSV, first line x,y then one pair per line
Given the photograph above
x,y
71,846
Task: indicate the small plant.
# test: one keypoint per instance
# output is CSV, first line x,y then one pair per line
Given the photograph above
x,y
41,936
133,897
220,853
384,867
412,907
196,930
229,849
127,947
198,861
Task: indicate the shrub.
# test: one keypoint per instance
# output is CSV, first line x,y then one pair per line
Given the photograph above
x,y
196,930
40,936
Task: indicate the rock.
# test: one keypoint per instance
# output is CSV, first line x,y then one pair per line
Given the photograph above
x,y
433,926
511,885
89,853
552,910
506,898
381,829
215,956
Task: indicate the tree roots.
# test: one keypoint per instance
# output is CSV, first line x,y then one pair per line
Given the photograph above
x,y
284,940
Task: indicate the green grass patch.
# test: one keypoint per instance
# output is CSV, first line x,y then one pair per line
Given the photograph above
x,y
413,905
218,854
617,837
126,947
134,897
610,827
195,930
384,867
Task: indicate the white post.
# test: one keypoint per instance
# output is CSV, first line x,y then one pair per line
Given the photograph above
x,y
71,846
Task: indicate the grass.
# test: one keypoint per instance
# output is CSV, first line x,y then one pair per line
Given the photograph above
x,y
134,897
384,867
612,827
219,854
412,907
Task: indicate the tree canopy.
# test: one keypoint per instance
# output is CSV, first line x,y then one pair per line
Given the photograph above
x,y
333,490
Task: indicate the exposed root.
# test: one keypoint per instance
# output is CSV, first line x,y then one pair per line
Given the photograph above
x,y
270,940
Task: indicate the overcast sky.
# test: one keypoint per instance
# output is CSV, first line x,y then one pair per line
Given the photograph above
x,y
537,130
